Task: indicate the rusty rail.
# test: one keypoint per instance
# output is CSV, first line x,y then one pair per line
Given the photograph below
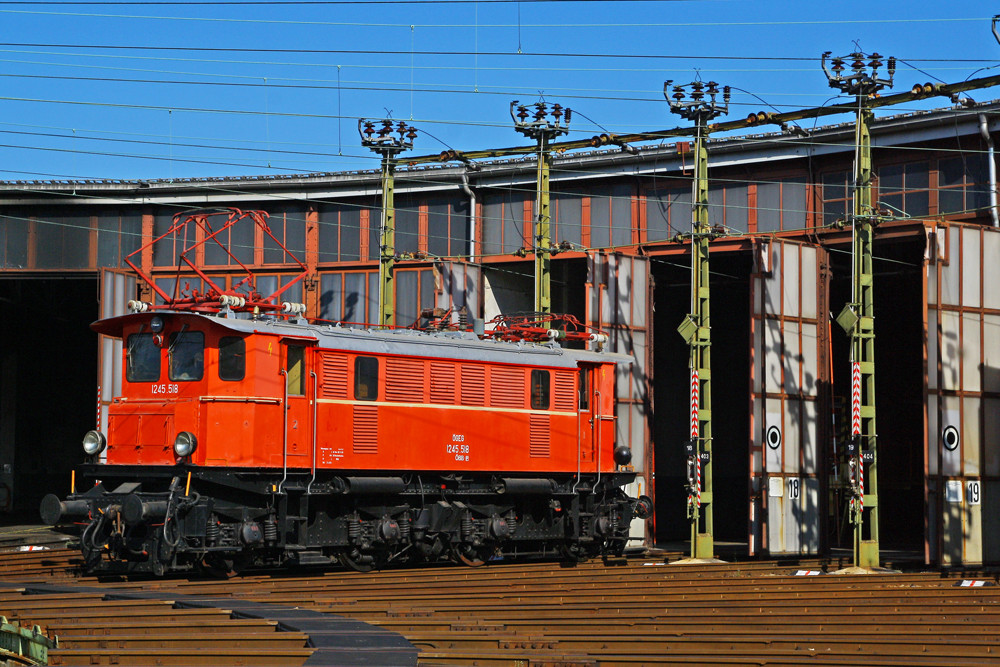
x,y
537,614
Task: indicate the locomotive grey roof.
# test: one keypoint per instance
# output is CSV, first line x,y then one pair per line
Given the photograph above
x,y
462,346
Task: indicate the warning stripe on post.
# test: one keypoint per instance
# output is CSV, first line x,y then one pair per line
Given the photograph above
x,y
861,484
695,402
855,398
698,480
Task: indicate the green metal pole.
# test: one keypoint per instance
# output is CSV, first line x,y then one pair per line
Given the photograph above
x,y
702,542
866,552
387,246
543,259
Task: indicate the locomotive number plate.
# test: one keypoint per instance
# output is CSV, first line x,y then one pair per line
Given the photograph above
x,y
164,388
457,447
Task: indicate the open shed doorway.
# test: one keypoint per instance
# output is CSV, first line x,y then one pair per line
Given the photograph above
x,y
899,390
48,393
509,288
730,322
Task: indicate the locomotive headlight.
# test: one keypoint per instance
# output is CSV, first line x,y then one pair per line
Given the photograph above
x,y
94,443
156,324
185,444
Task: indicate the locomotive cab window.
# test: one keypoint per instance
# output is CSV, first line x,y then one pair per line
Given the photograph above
x,y
142,358
539,389
295,367
186,356
365,378
584,388
232,358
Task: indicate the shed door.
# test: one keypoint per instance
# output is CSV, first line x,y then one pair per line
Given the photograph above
x,y
963,394
789,359
619,292
458,286
117,289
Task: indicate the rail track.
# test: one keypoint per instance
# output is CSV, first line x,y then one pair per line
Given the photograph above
x,y
642,611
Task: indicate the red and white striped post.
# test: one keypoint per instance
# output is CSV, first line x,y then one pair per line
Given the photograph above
x,y
695,403
855,398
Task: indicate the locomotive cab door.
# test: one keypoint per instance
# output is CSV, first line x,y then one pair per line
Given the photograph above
x,y
299,404
587,406
596,415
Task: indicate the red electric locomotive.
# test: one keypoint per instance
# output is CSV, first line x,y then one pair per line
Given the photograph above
x,y
244,436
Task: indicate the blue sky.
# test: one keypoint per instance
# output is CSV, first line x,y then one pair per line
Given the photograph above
x,y
177,90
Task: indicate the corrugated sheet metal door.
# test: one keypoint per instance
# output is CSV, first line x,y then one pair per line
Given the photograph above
x,y
963,394
618,291
117,289
457,286
788,374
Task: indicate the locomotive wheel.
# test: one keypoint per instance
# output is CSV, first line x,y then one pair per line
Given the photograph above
x,y
217,567
355,560
468,556
572,551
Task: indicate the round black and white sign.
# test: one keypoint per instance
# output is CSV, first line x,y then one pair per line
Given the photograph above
x,y
950,438
773,437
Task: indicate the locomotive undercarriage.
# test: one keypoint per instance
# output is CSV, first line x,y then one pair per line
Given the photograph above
x,y
183,518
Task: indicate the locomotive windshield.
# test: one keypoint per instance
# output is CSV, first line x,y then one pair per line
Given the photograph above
x,y
142,362
187,356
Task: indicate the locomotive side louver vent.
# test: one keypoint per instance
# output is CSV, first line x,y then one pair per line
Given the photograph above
x,y
365,429
334,383
565,395
442,383
473,385
404,380
507,387
538,437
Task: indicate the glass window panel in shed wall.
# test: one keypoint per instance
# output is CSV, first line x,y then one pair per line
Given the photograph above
x,y
793,203
374,235
62,240
407,225
288,225
340,232
513,226
164,252
354,297
439,228
658,216
15,240
492,224
241,241
108,238
600,221
14,235
372,297
736,207
568,218
407,305
769,207
716,206
621,215
330,296
459,228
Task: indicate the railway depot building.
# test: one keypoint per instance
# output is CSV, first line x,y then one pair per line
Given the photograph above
x,y
781,271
